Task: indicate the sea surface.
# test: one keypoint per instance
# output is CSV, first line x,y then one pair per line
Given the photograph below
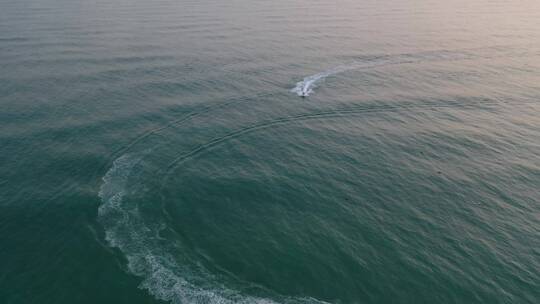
x,y
276,152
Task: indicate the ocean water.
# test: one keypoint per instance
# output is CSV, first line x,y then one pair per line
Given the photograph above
x,y
247,151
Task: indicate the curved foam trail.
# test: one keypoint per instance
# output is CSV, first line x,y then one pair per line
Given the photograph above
x,y
153,258
306,87
127,230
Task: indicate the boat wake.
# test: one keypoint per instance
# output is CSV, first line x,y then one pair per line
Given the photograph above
x,y
307,86
169,272
140,230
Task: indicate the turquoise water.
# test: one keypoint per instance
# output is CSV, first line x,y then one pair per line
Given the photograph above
x,y
161,152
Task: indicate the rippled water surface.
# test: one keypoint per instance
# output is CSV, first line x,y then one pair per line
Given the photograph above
x,y
269,151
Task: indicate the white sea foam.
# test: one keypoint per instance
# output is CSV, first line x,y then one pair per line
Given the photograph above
x,y
153,258
308,84
167,272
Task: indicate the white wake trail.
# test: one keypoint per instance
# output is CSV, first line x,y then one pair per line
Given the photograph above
x,y
307,86
168,273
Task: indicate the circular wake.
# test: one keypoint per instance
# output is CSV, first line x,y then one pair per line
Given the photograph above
x,y
138,224
169,271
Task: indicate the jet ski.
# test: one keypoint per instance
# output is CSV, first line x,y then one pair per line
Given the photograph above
x,y
304,93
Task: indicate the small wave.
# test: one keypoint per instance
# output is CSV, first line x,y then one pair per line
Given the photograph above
x,y
331,113
180,121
